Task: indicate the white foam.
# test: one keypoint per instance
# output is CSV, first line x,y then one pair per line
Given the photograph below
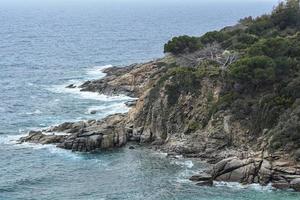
x,y
97,71
94,72
36,112
88,95
185,163
109,109
10,139
239,186
13,140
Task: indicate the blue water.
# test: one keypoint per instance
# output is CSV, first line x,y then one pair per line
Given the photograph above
x,y
46,45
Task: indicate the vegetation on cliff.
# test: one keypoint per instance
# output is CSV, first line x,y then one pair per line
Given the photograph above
x,y
262,87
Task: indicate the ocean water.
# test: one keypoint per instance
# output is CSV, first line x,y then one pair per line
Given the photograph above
x,y
46,45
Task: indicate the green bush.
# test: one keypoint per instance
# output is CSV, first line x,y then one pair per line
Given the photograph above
x,y
286,135
214,36
223,103
246,38
261,25
182,81
287,14
256,70
273,47
182,44
208,69
293,88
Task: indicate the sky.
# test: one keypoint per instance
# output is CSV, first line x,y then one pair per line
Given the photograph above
x,y
60,2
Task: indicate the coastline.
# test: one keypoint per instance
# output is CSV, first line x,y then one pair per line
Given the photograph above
x,y
116,131
228,97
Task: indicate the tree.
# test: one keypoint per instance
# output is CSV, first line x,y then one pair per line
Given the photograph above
x,y
256,70
182,44
287,14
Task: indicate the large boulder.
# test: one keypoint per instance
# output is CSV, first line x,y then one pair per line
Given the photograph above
x,y
295,184
203,179
236,170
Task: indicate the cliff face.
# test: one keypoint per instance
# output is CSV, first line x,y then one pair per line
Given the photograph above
x,y
205,119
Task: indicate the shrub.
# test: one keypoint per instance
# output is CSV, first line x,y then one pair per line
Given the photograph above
x,y
214,36
246,38
273,47
293,88
287,133
182,80
261,25
287,14
256,70
208,69
182,44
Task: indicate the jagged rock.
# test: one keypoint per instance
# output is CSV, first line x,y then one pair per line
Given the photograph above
x,y
131,103
205,183
84,136
71,86
235,170
129,81
201,177
131,147
39,137
265,173
295,184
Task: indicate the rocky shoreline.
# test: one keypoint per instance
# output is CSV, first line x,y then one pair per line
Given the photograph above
x,y
146,123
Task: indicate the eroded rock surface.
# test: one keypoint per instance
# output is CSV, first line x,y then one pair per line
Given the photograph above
x,y
84,136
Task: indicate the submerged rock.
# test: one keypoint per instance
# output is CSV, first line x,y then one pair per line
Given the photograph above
x,y
71,86
205,183
93,112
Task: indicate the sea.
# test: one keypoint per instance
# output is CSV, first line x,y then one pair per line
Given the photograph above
x,y
46,45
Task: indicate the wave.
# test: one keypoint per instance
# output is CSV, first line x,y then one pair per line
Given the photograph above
x,y
92,73
13,141
109,109
36,112
10,139
88,95
184,163
97,71
239,186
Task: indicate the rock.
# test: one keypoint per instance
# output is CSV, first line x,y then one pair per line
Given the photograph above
x,y
205,183
201,177
84,136
281,185
131,103
131,147
295,184
265,173
130,80
93,112
71,86
236,170
39,137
